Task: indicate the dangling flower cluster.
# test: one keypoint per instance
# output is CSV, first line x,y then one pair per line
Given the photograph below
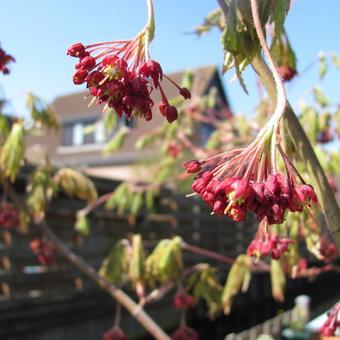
x,y
287,73
45,251
122,75
5,59
235,182
183,301
268,244
332,323
185,333
115,333
9,216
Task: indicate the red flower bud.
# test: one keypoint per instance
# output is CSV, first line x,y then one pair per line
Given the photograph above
x,y
192,166
76,50
79,76
185,93
171,114
88,62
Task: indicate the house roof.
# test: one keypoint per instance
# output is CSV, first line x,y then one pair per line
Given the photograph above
x,y
73,107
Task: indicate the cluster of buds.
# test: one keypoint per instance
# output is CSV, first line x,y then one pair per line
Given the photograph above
x,y
5,59
287,73
45,251
114,333
233,183
183,301
268,244
328,249
9,216
332,323
122,75
185,333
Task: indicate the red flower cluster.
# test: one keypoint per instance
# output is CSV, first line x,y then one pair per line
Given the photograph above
x,y
9,216
45,251
123,76
287,73
185,333
114,333
269,199
270,245
328,250
5,59
332,323
183,301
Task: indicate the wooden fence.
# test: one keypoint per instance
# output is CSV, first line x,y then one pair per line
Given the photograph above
x,y
49,290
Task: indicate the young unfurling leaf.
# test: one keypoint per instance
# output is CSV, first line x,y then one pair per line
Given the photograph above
x,y
116,264
41,113
75,184
82,224
278,280
12,152
137,263
165,262
238,275
117,141
40,190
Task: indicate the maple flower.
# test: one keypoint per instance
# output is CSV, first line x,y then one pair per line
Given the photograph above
x,y
268,244
9,216
5,59
123,75
249,179
185,333
115,333
182,300
45,250
332,323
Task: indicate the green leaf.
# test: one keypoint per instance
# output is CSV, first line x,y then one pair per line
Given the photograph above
x,y
320,97
323,66
116,265
278,280
238,275
310,121
117,141
213,19
41,113
40,190
137,261
76,184
4,126
82,224
137,203
110,119
336,61
12,152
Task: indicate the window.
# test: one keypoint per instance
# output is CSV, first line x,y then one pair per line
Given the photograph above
x,y
89,131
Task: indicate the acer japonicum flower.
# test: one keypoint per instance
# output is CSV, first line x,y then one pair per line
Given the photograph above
x,y
5,59
115,333
332,323
9,216
122,75
45,250
185,333
183,301
248,179
287,73
268,244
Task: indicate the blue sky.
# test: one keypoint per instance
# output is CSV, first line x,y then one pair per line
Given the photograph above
x,y
38,32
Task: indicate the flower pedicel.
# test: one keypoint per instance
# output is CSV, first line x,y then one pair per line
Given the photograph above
x,y
122,74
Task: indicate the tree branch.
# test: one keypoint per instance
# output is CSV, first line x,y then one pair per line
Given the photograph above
x,y
305,153
134,309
